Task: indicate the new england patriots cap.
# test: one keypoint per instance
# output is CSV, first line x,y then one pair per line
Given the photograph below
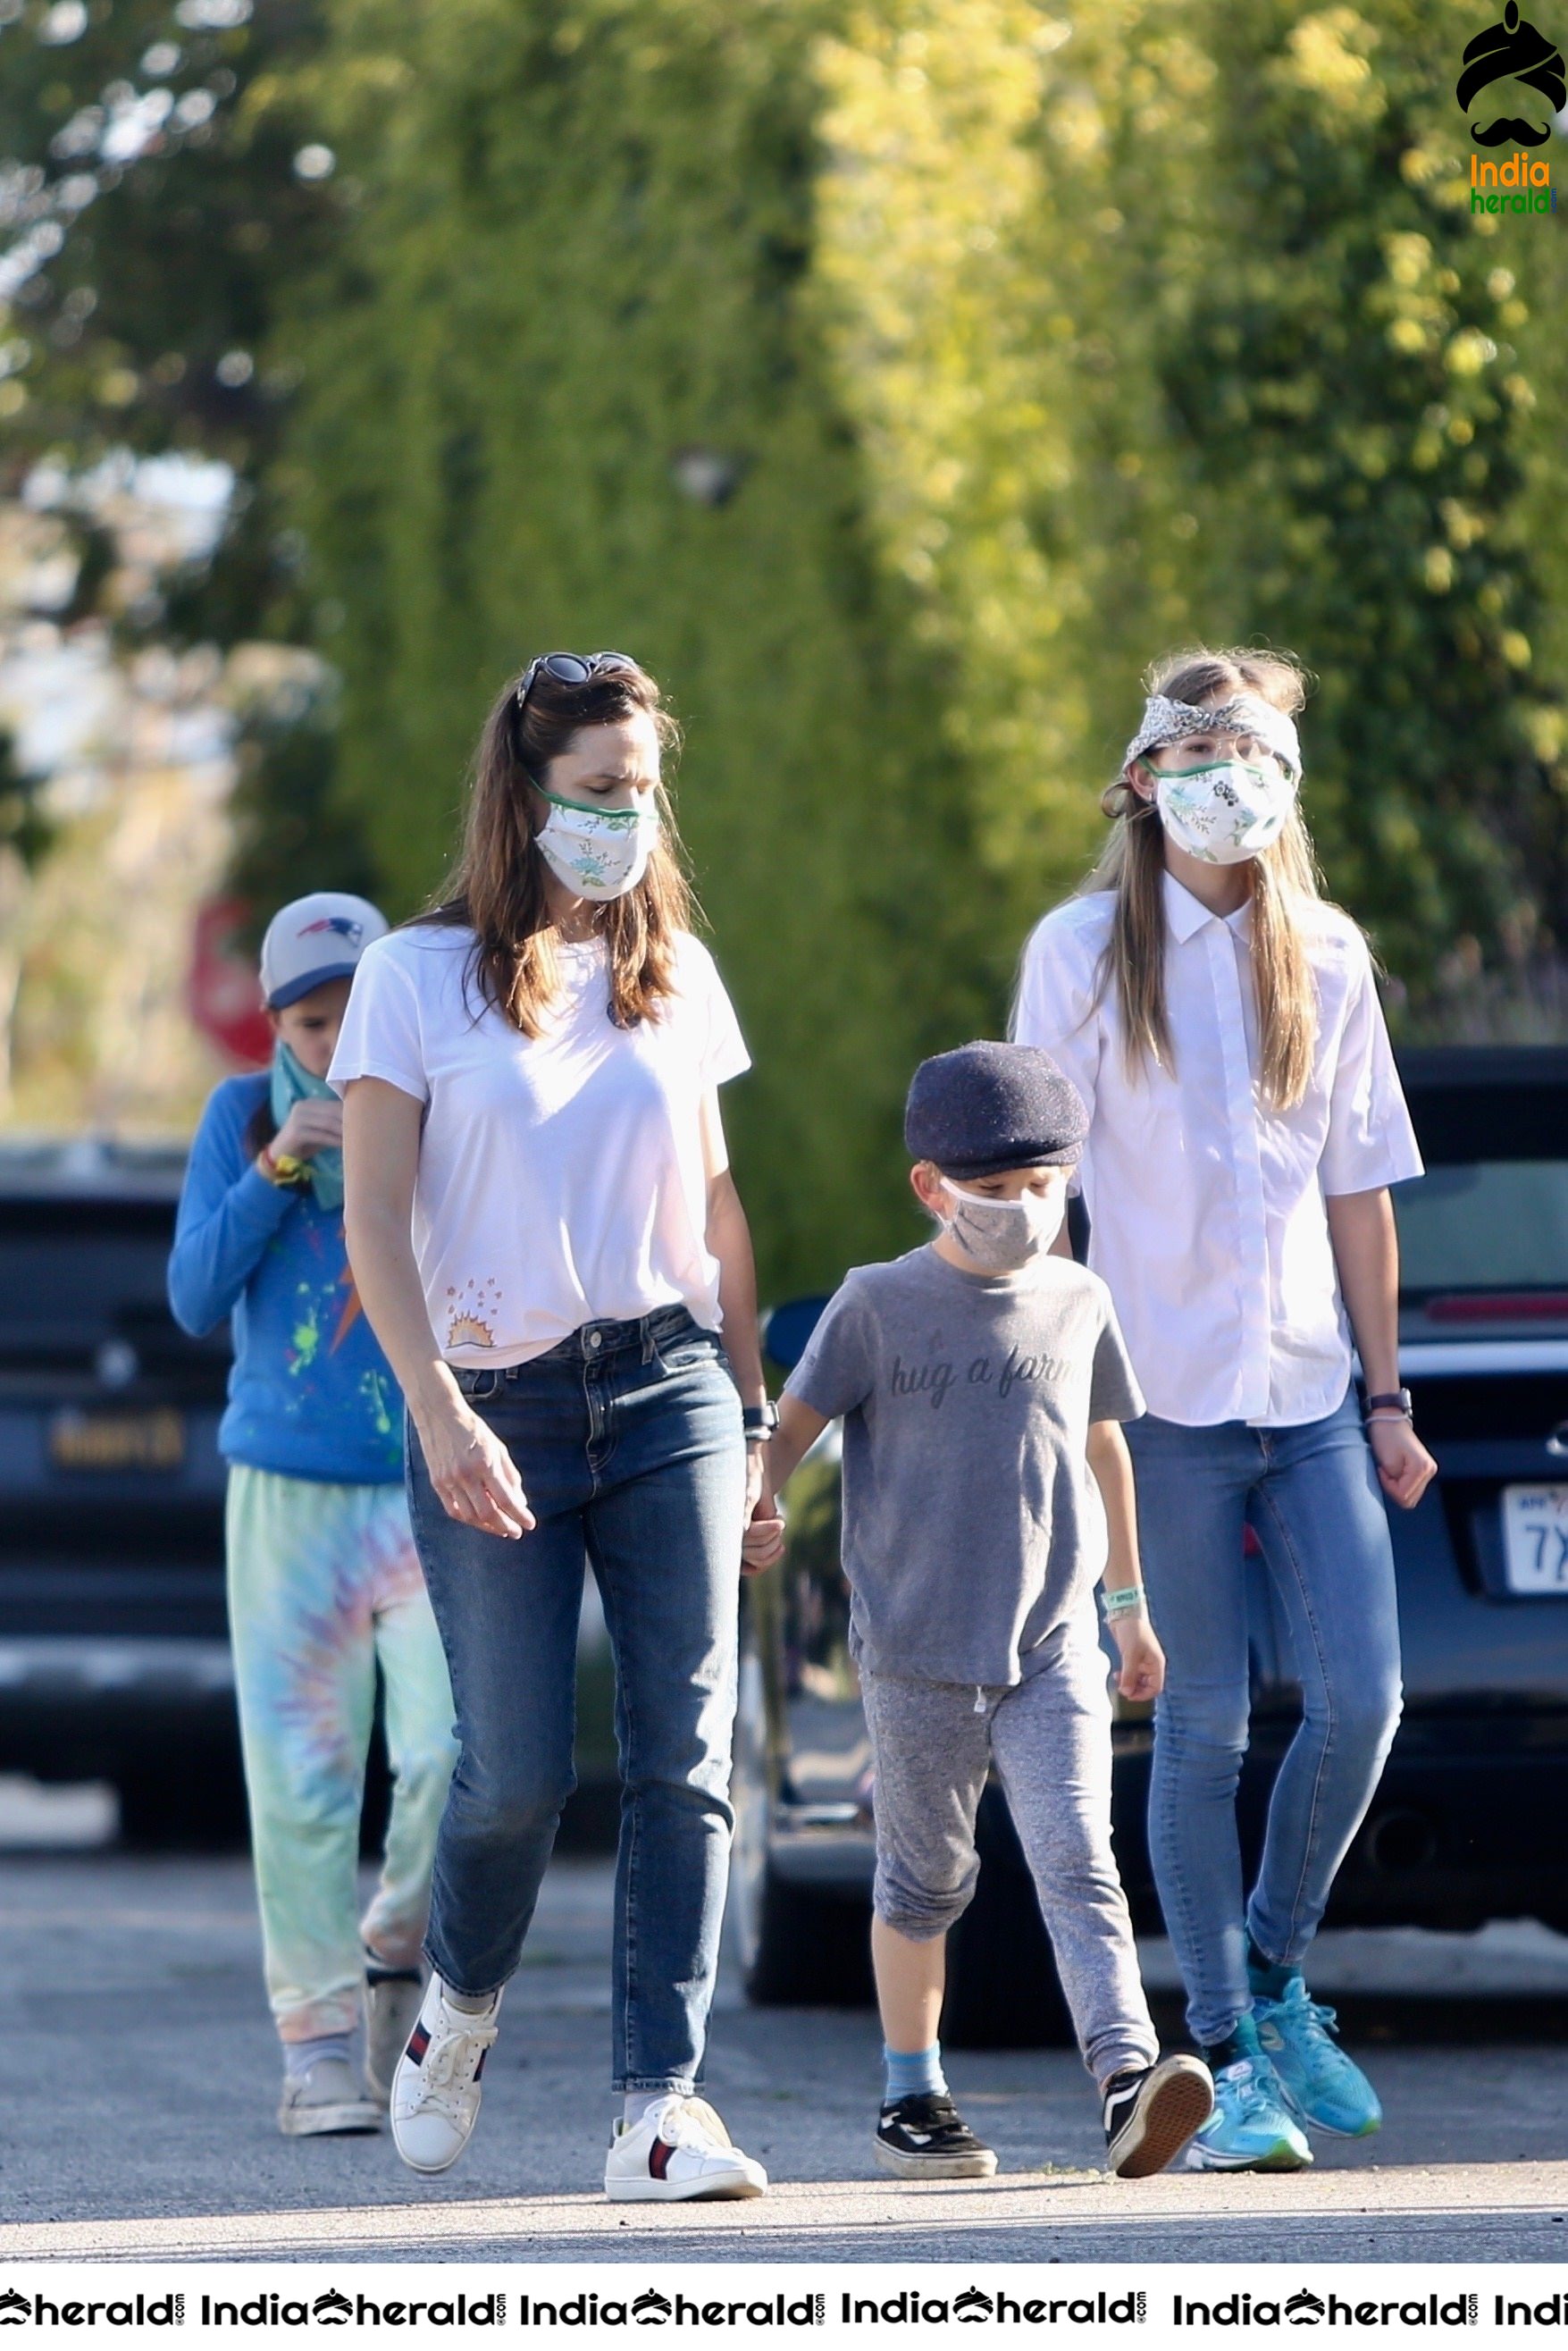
x,y
315,939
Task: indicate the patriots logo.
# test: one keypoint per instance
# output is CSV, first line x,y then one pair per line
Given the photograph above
x,y
343,926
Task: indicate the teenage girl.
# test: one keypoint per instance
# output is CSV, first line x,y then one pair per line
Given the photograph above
x,y
1221,1021
324,1584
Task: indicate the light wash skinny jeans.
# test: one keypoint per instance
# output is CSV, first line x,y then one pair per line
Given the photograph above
x,y
1312,1496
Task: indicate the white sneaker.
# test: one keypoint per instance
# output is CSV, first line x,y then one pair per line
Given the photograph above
x,y
435,2090
679,2151
324,2100
392,2000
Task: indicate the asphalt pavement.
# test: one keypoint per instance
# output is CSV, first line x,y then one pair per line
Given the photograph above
x,y
137,2025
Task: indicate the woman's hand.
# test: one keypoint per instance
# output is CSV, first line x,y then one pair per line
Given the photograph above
x,y
472,1473
756,1477
1404,1467
312,1125
1142,1673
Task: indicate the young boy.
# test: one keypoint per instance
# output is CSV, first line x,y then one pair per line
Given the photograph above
x,y
974,1377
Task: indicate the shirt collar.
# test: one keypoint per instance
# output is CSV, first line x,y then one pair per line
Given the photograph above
x,y
1186,914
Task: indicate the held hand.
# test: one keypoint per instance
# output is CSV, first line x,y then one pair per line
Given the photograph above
x,y
1404,1463
763,1542
311,1126
1142,1674
474,1475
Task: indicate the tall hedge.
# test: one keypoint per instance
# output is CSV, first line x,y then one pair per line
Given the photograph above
x,y
1164,320
575,279
1021,342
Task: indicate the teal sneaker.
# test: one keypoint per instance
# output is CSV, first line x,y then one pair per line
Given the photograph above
x,y
1322,2085
1251,2128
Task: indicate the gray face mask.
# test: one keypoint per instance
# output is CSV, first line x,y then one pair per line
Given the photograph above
x,y
1002,1235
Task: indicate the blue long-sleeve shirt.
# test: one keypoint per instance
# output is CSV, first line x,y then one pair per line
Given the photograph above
x,y
311,1393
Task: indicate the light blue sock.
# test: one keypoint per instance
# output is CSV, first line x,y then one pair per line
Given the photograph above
x,y
911,2072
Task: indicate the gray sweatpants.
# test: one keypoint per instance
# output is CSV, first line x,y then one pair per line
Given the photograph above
x,y
933,1744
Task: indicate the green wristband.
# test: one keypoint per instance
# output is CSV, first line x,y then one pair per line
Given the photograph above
x,y
1125,1603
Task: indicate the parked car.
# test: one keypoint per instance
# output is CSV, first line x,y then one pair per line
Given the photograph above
x,y
114,1655
1470,1822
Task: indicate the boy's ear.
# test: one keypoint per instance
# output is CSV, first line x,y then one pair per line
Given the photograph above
x,y
925,1181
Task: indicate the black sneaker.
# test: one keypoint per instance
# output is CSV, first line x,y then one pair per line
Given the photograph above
x,y
924,2137
1151,2115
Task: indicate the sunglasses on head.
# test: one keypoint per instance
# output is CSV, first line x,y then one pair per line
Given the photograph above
x,y
571,669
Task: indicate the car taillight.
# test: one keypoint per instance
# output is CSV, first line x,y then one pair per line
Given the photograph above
x,y
1500,1306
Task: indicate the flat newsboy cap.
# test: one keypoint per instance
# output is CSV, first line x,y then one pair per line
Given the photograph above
x,y
984,1107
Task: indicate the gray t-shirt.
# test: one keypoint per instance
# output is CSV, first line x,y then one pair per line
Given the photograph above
x,y
967,1400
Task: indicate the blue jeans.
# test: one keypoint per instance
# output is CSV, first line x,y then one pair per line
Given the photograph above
x,y
627,1437
1311,1495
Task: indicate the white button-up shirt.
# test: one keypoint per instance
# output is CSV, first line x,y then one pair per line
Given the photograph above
x,y
1207,1212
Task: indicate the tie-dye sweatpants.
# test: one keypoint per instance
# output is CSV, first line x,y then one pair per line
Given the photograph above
x,y
324,1585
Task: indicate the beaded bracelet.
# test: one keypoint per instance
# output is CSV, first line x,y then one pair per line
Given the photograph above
x,y
1124,1603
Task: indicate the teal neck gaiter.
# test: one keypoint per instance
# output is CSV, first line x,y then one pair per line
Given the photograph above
x,y
292,1082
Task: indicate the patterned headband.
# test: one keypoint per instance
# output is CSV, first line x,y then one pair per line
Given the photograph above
x,y
1245,714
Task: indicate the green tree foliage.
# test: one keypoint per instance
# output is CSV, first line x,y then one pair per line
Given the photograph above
x,y
24,830
1020,342
159,184
558,389
1348,375
150,208
1164,321
896,377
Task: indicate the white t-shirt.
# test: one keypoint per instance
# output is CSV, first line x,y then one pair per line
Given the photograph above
x,y
560,1178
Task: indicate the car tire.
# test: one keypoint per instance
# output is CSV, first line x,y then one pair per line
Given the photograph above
x,y
792,1944
1003,1991
168,1811
812,1949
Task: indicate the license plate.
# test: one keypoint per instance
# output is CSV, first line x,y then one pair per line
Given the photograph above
x,y
1535,1539
117,1440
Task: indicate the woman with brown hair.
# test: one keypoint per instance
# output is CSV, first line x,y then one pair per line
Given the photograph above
x,y
1220,1019
546,1239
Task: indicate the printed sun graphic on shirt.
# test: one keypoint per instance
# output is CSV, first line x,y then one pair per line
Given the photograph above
x,y
470,1311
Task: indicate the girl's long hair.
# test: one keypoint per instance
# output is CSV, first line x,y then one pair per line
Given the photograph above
x,y
1285,886
497,886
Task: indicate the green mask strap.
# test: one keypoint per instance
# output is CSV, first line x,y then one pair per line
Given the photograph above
x,y
584,808
1171,775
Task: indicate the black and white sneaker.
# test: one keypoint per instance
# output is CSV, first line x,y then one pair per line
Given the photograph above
x,y
924,2137
1151,2115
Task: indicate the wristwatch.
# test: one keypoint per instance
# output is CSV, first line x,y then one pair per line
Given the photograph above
x,y
1397,1400
759,1421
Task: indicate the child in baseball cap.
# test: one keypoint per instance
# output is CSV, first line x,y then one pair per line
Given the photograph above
x,y
307,957
979,1379
324,1585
